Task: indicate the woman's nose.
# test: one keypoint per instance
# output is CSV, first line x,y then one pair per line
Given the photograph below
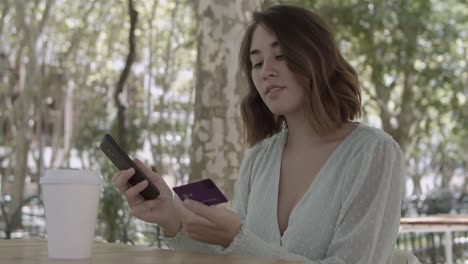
x,y
269,69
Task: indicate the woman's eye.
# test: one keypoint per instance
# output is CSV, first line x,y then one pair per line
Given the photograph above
x,y
279,57
256,65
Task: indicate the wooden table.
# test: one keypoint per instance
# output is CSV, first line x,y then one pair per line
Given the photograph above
x,y
26,251
436,224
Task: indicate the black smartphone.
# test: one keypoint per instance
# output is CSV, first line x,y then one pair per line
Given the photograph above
x,y
123,162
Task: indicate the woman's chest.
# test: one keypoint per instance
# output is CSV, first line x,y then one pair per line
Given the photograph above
x,y
296,177
312,220
310,225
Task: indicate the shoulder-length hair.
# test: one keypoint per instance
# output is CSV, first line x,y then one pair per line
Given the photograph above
x,y
307,43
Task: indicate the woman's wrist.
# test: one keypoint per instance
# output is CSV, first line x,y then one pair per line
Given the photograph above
x,y
174,224
234,231
172,229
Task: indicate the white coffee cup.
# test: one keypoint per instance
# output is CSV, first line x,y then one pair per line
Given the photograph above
x,y
71,198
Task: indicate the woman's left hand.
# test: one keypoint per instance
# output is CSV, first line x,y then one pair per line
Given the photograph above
x,y
208,224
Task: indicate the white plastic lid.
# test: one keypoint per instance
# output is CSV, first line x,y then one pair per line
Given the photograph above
x,y
67,176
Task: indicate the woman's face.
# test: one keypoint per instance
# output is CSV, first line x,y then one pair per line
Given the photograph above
x,y
277,85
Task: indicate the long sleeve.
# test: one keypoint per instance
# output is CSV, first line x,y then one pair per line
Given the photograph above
x,y
367,225
183,242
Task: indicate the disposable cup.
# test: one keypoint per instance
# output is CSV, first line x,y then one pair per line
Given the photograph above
x,y
71,200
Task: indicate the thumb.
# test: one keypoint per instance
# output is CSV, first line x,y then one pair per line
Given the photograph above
x,y
143,167
152,176
189,215
200,209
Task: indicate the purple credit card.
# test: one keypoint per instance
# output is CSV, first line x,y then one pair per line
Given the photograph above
x,y
204,191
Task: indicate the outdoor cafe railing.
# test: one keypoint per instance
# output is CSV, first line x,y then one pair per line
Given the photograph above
x,y
435,238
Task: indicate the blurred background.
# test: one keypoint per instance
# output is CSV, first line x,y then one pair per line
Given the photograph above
x,y
162,77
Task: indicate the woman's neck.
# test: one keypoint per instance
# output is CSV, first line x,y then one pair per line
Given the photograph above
x,y
301,132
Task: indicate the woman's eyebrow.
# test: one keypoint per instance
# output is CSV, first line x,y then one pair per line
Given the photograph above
x,y
274,44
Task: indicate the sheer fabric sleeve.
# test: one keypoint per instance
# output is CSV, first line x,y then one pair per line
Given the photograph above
x,y
367,227
182,241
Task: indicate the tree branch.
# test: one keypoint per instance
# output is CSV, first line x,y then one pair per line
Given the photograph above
x,y
75,39
121,115
45,17
6,8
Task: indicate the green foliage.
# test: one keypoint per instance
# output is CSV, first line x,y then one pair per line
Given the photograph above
x,y
81,52
110,215
411,57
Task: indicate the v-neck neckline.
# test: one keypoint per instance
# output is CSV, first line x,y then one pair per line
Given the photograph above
x,y
313,183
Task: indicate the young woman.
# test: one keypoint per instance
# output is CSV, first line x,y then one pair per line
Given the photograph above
x,y
314,186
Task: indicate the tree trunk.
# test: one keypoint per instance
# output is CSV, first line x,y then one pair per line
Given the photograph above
x,y
416,185
122,122
217,144
23,142
29,78
113,204
67,122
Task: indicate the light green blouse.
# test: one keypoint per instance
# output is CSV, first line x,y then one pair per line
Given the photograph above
x,y
349,214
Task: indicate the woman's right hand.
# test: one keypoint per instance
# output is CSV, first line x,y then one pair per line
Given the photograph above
x,y
160,211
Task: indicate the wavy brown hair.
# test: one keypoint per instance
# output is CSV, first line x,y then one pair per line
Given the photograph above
x,y
307,43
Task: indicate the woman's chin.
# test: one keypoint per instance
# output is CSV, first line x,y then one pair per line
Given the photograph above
x,y
285,111
278,112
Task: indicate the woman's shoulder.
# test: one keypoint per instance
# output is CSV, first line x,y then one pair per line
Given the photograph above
x,y
256,156
266,146
277,140
370,138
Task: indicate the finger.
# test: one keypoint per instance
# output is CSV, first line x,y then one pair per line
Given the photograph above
x,y
155,178
115,176
201,209
189,217
147,171
120,179
205,231
145,207
133,194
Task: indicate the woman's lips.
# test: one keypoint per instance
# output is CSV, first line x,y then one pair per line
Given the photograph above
x,y
273,90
